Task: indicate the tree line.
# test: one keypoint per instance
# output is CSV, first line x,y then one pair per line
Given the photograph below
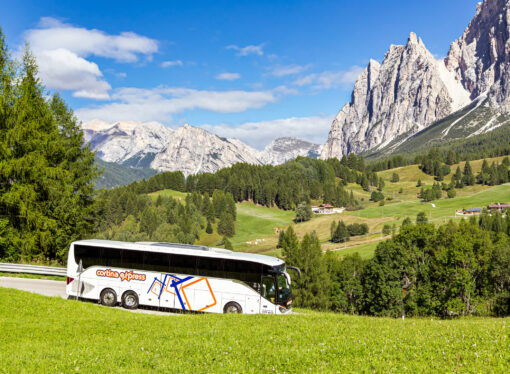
x,y
450,270
284,186
127,215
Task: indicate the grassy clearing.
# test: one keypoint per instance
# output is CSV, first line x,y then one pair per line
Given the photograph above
x,y
365,251
169,193
32,276
41,334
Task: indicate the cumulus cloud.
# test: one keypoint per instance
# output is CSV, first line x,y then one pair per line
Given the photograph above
x,y
159,104
62,51
284,70
73,73
228,76
258,134
330,79
248,50
167,64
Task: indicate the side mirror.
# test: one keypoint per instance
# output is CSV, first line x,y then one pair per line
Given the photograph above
x,y
296,270
80,267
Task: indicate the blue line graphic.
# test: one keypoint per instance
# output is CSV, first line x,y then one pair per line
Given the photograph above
x,y
174,284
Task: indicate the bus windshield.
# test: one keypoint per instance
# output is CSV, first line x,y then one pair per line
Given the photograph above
x,y
284,291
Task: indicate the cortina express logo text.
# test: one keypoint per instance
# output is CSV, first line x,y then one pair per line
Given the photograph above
x,y
124,276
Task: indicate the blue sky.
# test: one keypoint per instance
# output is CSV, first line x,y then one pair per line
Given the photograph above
x,y
255,70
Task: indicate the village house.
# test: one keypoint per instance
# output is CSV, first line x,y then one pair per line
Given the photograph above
x,y
499,206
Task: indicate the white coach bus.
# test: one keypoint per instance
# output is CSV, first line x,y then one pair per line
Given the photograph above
x,y
177,276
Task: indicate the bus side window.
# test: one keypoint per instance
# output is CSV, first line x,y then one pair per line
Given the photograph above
x,y
155,261
210,267
132,259
88,255
111,257
182,264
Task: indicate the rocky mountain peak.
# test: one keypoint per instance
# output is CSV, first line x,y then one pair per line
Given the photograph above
x,y
401,95
480,58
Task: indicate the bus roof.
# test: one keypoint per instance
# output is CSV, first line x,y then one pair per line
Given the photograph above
x,y
184,249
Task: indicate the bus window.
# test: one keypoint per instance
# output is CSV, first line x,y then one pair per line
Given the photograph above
x,y
89,255
111,257
210,267
154,261
182,264
268,289
132,259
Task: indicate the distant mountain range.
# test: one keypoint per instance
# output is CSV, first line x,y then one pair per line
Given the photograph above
x,y
410,92
188,149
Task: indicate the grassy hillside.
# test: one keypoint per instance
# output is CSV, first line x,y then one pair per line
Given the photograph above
x,y
257,226
41,334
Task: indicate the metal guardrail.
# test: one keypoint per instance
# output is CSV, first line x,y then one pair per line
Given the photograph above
x,y
32,269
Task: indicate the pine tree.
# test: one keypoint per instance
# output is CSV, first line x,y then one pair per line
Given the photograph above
x,y
468,179
48,200
209,229
281,238
226,225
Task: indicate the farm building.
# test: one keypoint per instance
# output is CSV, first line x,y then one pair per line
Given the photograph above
x,y
499,206
326,209
472,211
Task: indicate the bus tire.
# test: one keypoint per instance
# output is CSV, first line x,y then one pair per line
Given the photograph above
x,y
108,297
232,307
130,300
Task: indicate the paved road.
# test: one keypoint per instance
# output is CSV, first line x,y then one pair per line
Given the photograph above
x,y
54,288
40,286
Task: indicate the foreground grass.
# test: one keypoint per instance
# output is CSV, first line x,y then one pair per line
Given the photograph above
x,y
42,334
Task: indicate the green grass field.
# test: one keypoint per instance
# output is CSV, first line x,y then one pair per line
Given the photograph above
x,y
41,334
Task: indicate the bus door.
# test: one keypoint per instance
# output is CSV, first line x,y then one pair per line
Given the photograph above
x,y
267,303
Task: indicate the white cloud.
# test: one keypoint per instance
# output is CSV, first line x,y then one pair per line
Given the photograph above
x,y
258,134
73,73
61,50
167,64
125,47
159,104
228,76
248,50
284,70
330,79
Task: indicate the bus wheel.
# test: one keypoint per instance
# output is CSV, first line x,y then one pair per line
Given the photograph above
x,y
130,300
233,307
108,297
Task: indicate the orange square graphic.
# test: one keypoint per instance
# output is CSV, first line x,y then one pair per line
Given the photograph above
x,y
203,304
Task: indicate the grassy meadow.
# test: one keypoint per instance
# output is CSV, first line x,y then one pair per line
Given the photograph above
x,y
41,334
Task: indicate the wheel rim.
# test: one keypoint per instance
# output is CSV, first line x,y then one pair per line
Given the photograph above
x,y
232,309
130,300
109,298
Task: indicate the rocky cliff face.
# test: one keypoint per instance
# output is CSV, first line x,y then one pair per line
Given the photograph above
x,y
130,143
480,58
193,150
282,150
407,92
